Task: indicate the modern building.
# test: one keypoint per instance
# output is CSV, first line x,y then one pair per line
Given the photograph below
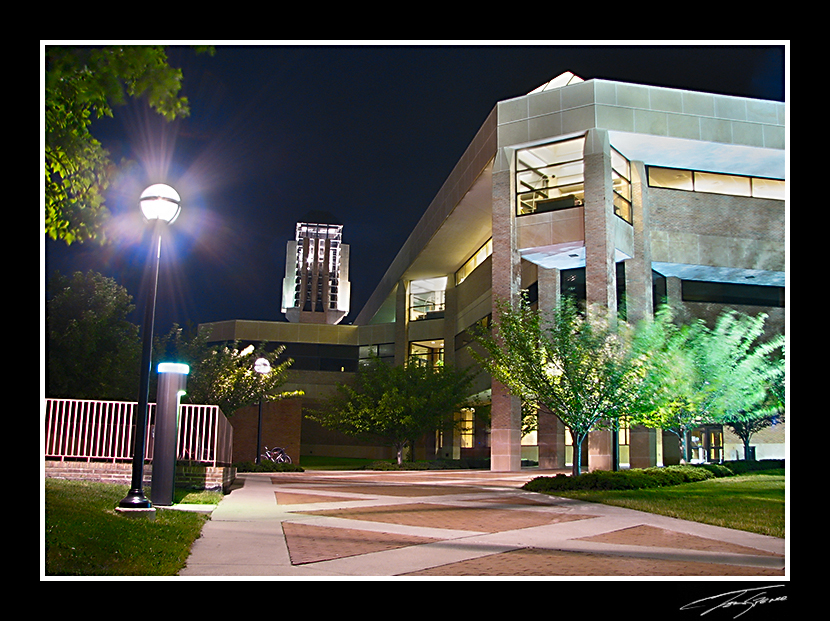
x,y
622,194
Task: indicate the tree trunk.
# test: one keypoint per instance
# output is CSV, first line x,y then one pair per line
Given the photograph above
x,y
577,460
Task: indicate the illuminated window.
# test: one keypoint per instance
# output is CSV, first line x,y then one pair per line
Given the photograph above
x,y
466,428
621,179
716,183
427,298
429,353
550,177
473,262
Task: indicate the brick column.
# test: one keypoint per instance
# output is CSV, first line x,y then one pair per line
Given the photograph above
x,y
550,440
600,264
506,417
550,434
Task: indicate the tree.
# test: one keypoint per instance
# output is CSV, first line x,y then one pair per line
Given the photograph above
x,y
580,368
673,392
697,375
93,351
397,403
82,82
744,374
223,374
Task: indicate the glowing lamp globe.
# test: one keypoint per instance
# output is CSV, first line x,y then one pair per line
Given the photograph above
x,y
160,202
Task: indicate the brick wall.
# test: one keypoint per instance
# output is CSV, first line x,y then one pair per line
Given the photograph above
x,y
188,475
281,426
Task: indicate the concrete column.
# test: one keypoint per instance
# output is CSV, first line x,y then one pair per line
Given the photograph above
x,y
638,280
450,323
506,417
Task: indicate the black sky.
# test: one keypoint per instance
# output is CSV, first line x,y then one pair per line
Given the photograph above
x,y
366,132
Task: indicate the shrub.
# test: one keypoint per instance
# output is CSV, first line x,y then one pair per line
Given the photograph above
x,y
743,466
636,478
389,465
267,466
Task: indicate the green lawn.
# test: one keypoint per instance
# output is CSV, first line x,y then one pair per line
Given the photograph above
x,y
85,536
752,502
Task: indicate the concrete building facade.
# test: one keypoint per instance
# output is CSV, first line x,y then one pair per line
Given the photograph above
x,y
621,194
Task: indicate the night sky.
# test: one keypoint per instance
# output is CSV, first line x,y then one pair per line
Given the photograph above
x,y
366,132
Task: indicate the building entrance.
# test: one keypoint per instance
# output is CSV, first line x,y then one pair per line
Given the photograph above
x,y
707,443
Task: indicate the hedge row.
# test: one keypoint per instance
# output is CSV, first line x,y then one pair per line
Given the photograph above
x,y
266,465
642,478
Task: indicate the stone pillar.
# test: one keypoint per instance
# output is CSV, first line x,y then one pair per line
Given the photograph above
x,y
506,417
550,436
638,279
642,448
674,298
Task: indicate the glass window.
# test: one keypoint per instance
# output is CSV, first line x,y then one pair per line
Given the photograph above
x,y
670,178
621,180
466,429
429,353
477,259
768,188
550,177
427,298
722,184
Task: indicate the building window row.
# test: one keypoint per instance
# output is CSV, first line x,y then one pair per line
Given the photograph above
x,y
716,183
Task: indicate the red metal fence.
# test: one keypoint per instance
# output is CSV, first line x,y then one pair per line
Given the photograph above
x,y
105,431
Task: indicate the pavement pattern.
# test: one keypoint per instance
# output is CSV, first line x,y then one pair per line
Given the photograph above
x,y
455,523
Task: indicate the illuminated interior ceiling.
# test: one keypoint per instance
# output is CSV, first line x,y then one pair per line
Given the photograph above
x,y
564,256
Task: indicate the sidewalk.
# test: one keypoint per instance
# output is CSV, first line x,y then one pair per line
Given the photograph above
x,y
454,523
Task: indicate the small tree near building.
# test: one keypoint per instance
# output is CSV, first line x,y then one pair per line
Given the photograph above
x,y
397,403
581,368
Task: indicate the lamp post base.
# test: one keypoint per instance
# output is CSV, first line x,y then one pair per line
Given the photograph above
x,y
135,499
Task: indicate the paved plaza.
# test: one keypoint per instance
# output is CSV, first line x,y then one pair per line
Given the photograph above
x,y
454,523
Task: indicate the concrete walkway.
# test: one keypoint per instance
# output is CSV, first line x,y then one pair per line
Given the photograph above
x,y
454,523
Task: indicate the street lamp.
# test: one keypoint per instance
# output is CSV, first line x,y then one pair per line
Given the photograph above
x,y
160,205
260,366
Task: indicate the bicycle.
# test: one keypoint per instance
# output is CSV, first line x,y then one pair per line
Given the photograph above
x,y
276,455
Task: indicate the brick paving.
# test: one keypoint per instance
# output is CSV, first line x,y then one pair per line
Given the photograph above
x,y
479,524
309,544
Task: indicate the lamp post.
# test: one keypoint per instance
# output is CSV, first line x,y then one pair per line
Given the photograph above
x,y
260,366
160,205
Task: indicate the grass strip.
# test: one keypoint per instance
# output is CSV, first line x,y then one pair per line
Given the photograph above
x,y
752,502
85,536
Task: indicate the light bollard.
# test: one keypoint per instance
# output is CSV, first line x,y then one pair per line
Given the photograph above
x,y
171,387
